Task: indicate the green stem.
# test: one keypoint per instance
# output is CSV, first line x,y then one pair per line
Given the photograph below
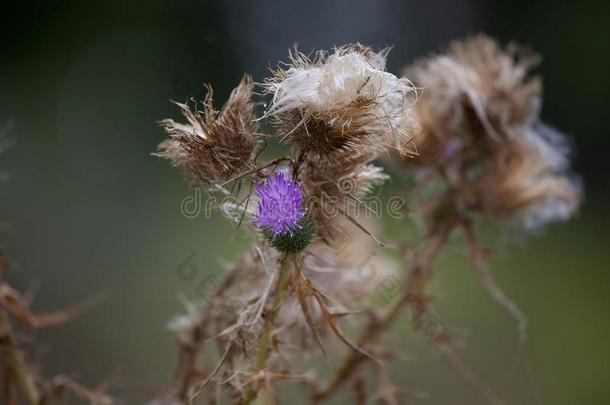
x,y
265,338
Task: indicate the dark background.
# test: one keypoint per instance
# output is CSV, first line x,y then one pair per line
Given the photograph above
x,y
87,209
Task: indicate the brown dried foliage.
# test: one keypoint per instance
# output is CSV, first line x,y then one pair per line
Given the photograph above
x,y
21,380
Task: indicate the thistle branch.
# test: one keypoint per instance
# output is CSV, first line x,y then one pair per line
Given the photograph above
x,y
416,277
266,336
477,258
15,362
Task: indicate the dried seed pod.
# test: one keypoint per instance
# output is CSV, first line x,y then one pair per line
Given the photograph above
x,y
476,89
479,125
342,101
213,145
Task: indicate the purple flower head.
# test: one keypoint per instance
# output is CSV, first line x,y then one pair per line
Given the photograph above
x,y
279,205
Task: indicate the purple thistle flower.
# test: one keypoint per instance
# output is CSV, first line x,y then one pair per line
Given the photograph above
x,y
279,205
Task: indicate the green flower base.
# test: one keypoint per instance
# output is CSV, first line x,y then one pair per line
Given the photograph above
x,y
293,242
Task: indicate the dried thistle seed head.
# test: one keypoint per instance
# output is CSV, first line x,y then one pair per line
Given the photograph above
x,y
478,118
339,101
528,180
213,145
475,89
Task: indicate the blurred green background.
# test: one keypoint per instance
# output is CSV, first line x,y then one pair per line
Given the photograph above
x,y
87,209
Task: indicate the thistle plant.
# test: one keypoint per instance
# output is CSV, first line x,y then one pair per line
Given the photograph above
x,y
466,129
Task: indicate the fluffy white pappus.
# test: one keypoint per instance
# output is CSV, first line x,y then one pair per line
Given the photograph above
x,y
478,75
370,177
551,144
553,209
335,81
183,325
552,151
235,210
